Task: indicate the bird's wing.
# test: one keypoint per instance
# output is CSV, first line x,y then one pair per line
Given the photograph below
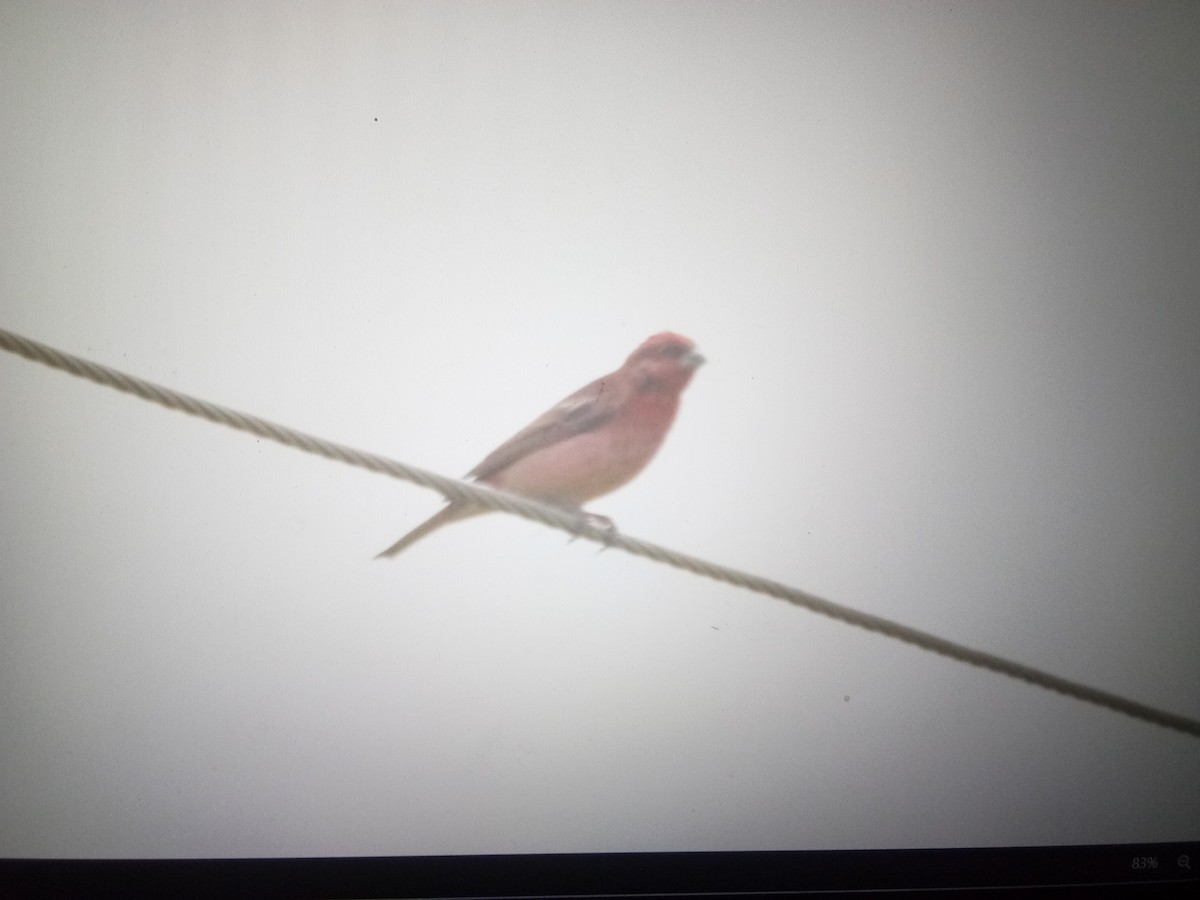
x,y
586,409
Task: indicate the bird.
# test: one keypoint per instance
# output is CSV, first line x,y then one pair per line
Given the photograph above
x,y
590,443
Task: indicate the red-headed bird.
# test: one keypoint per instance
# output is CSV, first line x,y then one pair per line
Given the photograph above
x,y
592,442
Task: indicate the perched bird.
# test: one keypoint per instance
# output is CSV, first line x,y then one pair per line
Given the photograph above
x,y
592,442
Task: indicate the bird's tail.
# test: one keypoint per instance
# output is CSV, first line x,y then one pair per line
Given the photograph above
x,y
451,513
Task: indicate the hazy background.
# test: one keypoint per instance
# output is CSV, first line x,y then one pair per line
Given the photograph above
x,y
942,259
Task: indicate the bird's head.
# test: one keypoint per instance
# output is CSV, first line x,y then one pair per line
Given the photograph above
x,y
664,363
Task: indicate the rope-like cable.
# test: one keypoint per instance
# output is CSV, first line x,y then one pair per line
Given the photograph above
x,y
492,499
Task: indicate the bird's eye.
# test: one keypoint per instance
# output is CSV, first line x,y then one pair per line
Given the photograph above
x,y
674,351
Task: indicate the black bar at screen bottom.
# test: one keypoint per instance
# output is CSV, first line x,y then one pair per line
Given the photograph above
x,y
615,874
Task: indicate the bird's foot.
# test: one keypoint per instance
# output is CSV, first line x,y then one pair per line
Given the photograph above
x,y
595,527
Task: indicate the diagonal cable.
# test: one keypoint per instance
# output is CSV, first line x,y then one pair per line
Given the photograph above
x,y
489,498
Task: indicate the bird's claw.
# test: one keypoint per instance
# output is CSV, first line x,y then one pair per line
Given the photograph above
x,y
595,527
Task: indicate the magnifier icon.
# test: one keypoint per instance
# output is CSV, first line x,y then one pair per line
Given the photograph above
x,y
1184,862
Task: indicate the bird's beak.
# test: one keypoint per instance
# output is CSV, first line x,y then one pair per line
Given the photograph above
x,y
692,360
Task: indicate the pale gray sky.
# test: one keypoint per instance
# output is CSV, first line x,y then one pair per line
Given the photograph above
x,y
942,261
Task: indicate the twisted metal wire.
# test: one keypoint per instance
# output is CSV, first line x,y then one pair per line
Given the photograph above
x,y
491,499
